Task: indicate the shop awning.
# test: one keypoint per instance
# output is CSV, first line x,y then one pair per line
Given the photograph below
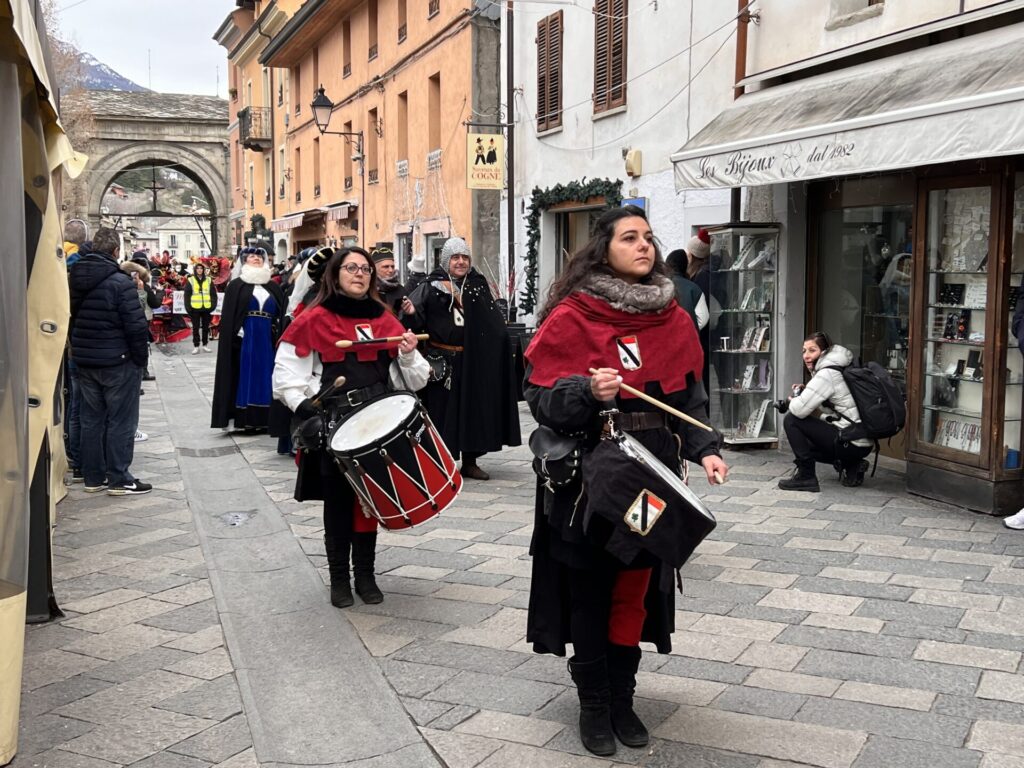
x,y
339,211
287,222
948,102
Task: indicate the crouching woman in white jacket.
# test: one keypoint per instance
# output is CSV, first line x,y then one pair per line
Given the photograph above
x,y
307,365
817,439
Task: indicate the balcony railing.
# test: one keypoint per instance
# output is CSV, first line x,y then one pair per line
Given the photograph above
x,y
434,160
346,71
372,174
372,54
433,8
254,128
402,168
403,32
348,182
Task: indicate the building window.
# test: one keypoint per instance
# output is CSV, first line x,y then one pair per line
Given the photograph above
x,y
316,167
433,8
434,112
403,25
268,179
610,28
297,175
316,67
267,95
372,14
371,146
281,171
172,240
346,48
403,125
549,72
297,88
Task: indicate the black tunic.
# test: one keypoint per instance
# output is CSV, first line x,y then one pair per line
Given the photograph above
x,y
559,541
479,413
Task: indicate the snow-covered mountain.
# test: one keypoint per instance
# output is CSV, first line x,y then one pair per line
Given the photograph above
x,y
93,74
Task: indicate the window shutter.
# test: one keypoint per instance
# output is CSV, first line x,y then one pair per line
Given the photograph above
x,y
549,72
617,53
542,74
601,34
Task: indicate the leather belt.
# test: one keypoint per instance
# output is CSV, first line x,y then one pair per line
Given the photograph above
x,y
258,314
355,397
638,421
445,347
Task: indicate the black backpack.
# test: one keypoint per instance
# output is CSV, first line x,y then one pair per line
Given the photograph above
x,y
883,411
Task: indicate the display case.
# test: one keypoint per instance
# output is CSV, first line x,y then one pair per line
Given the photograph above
x,y
968,375
741,345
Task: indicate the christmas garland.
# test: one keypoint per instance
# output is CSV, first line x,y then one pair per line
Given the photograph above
x,y
540,201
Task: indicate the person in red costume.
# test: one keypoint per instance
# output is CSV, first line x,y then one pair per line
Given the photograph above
x,y
307,363
612,310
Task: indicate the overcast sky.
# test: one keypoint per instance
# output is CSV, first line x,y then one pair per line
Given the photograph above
x,y
177,33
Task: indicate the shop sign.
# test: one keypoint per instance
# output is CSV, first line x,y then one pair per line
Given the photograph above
x,y
485,161
178,307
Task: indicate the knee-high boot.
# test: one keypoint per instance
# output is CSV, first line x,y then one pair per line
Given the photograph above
x,y
364,552
337,565
591,680
623,662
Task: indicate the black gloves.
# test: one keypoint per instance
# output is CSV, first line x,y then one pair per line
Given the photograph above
x,y
306,409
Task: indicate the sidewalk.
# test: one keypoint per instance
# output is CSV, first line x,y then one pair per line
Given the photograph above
x,y
855,627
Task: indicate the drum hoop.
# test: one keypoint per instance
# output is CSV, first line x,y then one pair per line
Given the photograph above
x,y
390,437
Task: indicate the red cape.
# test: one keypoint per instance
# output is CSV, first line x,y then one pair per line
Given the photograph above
x,y
318,328
585,332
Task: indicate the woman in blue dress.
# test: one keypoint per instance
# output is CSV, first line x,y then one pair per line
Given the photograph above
x,y
250,325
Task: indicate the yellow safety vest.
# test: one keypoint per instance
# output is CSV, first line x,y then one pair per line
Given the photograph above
x,y
200,294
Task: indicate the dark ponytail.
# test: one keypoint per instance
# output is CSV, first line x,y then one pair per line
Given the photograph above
x,y
820,338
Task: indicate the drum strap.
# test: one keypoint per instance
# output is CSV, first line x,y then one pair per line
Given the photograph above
x,y
638,421
445,347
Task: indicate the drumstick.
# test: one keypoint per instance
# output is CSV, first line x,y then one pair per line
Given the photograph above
x,y
718,478
345,343
659,404
338,382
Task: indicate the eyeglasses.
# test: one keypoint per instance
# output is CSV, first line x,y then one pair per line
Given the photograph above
x,y
353,269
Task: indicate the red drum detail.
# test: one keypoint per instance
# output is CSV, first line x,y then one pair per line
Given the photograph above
x,y
396,461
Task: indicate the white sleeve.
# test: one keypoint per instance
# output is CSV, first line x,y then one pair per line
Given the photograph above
x,y
295,378
701,311
414,369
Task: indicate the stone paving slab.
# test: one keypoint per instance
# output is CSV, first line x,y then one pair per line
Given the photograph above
x,y
851,628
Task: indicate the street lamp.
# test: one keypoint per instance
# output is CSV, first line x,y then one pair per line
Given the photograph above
x,y
323,110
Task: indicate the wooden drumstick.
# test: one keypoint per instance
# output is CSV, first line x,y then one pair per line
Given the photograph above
x,y
655,402
345,343
338,382
718,478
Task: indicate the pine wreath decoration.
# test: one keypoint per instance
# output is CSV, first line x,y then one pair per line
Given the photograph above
x,y
542,199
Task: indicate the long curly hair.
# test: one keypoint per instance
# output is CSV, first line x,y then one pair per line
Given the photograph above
x,y
329,282
592,259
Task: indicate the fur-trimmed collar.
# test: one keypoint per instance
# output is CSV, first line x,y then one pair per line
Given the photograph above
x,y
346,306
255,275
631,297
130,266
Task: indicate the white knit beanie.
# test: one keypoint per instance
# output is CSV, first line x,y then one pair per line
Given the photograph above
x,y
699,246
453,246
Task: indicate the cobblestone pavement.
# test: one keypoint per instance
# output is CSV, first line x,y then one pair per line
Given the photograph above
x,y
854,628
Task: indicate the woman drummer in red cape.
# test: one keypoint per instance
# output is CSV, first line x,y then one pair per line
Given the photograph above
x,y
613,310
347,307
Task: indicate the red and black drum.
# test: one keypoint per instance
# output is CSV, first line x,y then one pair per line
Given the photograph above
x,y
396,461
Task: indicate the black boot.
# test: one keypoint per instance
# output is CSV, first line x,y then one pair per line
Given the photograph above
x,y
853,476
337,566
803,479
364,546
591,680
623,662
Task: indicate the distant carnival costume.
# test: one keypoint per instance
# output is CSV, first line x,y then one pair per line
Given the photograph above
x,y
251,322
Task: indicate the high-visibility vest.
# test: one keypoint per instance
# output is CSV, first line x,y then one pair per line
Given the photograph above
x,y
200,294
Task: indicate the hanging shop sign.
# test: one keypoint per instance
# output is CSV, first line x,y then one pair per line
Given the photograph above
x,y
485,161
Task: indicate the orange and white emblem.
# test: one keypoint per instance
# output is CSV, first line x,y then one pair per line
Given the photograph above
x,y
629,352
644,512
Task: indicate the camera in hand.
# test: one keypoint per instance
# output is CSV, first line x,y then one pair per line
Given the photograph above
x,y
782,406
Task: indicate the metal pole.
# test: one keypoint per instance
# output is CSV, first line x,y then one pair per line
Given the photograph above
x,y
510,97
362,192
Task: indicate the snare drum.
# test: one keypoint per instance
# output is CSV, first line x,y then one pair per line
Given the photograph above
x,y
650,505
396,461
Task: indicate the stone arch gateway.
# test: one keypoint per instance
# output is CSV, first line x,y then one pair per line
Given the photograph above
x,y
135,129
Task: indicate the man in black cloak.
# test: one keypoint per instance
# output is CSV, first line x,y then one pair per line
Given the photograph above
x,y
471,397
